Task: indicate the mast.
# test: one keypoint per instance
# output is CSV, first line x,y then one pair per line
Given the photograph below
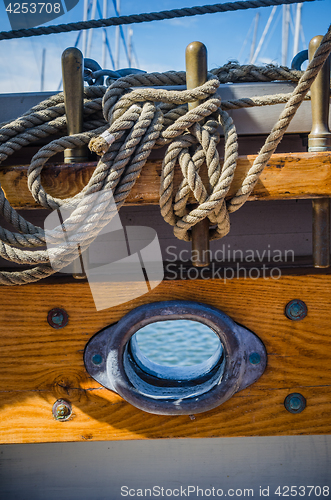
x,y
285,33
117,36
297,29
104,34
130,33
84,31
43,60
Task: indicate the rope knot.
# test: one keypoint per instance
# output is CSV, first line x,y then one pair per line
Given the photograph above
x,y
210,197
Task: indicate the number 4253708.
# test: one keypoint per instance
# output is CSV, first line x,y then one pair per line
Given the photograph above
x,y
34,8
302,491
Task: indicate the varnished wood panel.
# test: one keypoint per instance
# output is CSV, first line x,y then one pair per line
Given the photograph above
x,y
286,176
39,364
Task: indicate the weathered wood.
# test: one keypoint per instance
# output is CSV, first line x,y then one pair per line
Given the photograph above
x,y
39,364
286,176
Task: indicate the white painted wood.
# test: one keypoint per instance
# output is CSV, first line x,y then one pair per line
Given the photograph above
x,y
97,471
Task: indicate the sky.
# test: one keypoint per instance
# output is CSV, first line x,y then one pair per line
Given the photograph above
x,y
159,45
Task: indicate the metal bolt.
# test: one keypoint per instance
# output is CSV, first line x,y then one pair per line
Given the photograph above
x,y
97,359
61,410
57,318
295,403
296,310
254,358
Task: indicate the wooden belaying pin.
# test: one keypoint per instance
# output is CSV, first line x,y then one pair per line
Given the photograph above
x,y
73,89
320,140
196,75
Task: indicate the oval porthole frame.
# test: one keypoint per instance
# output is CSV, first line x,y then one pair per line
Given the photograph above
x,y
234,372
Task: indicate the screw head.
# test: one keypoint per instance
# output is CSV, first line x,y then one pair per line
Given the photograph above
x,y
57,318
295,403
254,358
97,359
61,410
296,310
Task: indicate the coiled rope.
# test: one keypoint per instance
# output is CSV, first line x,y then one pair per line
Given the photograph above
x,y
143,18
139,119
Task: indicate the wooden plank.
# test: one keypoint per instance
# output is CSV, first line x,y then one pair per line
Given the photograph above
x,y
39,364
286,176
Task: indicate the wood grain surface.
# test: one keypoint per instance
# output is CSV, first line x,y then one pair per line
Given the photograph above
x,y
39,364
286,176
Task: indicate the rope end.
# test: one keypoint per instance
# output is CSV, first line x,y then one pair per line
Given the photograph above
x,y
101,144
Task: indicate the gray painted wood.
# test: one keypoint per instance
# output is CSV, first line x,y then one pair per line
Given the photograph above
x,y
97,471
14,105
257,226
248,121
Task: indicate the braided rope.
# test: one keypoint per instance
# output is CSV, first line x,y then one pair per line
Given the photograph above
x,y
142,18
139,120
233,72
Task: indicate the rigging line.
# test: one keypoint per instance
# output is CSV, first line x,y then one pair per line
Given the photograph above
x,y
122,34
270,34
106,35
142,18
257,16
90,32
246,39
265,31
78,40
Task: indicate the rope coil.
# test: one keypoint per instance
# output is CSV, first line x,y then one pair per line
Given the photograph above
x,y
139,120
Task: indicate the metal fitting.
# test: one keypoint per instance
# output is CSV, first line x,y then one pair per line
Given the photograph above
x,y
319,139
73,89
57,318
296,310
61,410
295,403
113,358
97,359
254,358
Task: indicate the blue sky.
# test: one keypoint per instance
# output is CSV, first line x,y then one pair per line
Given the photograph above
x,y
160,46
